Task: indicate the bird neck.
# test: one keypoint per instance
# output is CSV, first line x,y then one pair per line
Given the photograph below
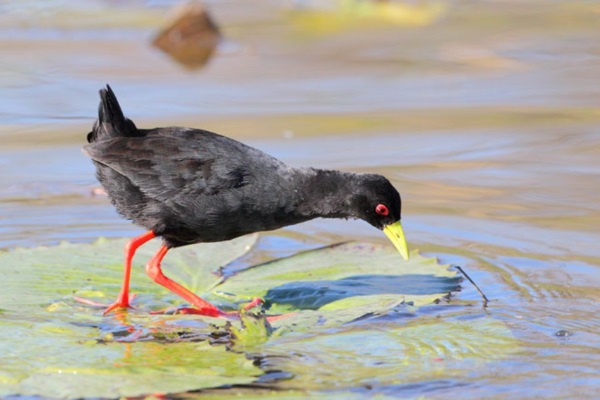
x,y
327,194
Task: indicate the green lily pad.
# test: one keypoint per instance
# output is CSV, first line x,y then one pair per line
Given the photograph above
x,y
54,347
344,276
348,307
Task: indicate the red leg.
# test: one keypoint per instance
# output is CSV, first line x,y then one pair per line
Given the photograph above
x,y
130,248
155,272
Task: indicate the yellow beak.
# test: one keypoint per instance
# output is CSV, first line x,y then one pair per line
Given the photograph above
x,y
395,233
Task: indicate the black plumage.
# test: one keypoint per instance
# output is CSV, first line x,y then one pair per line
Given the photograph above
x,y
191,185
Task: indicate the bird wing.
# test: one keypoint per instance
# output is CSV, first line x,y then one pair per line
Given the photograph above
x,y
170,168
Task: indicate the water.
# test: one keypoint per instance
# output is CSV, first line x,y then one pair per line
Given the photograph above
x,y
486,119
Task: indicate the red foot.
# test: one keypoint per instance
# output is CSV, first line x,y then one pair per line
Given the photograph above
x,y
211,311
119,303
123,298
207,312
232,314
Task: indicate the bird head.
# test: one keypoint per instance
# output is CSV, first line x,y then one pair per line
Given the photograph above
x,y
377,202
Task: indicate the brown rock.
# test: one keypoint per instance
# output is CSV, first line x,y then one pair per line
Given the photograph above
x,y
191,37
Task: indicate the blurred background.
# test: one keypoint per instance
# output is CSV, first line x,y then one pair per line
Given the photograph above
x,y
484,114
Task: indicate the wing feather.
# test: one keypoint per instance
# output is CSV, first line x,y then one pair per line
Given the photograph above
x,y
174,169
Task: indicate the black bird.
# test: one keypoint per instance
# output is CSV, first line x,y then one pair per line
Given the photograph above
x,y
190,186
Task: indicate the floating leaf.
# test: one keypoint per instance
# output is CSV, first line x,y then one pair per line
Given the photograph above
x,y
344,276
53,347
353,319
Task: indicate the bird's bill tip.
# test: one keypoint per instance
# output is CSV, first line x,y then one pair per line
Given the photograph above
x,y
395,233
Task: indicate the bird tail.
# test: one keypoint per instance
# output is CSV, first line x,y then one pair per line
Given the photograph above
x,y
111,122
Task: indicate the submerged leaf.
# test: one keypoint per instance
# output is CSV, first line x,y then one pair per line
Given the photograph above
x,y
387,355
254,331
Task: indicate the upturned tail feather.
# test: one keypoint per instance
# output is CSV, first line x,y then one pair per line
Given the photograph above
x,y
111,122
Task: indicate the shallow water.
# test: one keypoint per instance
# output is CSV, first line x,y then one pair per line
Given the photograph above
x,y
486,119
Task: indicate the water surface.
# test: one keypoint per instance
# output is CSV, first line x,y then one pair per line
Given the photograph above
x,y
486,118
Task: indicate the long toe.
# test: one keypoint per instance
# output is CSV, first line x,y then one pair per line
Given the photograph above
x,y
89,302
119,304
254,303
207,311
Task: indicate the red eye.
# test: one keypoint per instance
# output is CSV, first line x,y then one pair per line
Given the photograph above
x,y
382,210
